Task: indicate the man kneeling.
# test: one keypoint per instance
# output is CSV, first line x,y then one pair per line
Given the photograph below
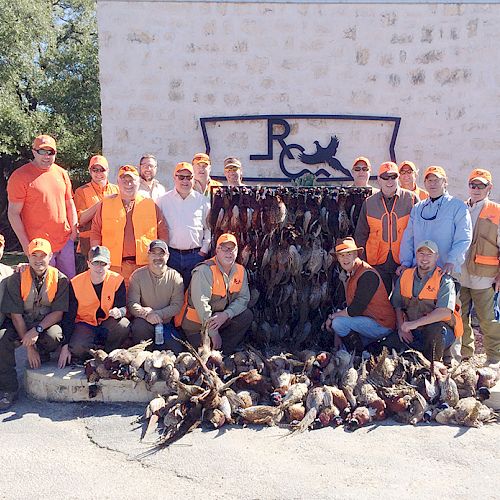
x,y
155,296
35,299
369,315
218,296
427,315
97,308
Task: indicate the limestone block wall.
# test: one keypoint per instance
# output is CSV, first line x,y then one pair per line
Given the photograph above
x,y
164,65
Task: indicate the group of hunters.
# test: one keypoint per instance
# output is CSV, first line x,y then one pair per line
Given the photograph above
x,y
420,260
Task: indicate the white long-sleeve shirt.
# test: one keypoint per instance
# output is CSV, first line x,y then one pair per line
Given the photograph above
x,y
186,220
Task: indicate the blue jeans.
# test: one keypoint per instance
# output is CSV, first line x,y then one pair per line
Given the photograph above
x,y
184,263
368,328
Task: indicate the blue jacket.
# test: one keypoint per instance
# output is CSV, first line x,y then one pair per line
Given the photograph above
x,y
451,230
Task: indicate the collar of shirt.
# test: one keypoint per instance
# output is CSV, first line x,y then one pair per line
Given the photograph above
x,y
192,194
98,188
478,204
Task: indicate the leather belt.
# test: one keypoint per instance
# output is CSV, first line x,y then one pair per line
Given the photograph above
x,y
184,252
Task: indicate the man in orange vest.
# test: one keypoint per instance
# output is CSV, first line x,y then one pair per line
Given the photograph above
x,y
88,196
126,223
203,183
369,315
35,300
408,179
382,221
97,308
425,301
480,276
218,297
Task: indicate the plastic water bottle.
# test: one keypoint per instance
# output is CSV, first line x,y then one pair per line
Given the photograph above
x,y
496,306
159,334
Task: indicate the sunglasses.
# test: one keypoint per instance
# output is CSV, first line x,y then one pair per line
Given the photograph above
x,y
406,171
427,204
184,177
477,186
391,177
364,169
45,152
97,170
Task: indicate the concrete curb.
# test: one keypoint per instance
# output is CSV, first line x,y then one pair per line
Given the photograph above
x,y
50,383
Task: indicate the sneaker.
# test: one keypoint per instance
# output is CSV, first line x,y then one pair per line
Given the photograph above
x,y
7,399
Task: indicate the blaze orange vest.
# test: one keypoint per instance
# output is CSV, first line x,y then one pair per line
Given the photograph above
x,y
221,296
386,228
420,193
88,302
113,227
91,197
37,304
425,303
379,308
483,255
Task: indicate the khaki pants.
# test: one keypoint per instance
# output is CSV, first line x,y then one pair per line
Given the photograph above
x,y
47,342
83,338
483,303
232,332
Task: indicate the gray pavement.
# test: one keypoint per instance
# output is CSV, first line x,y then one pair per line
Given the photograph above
x,y
89,450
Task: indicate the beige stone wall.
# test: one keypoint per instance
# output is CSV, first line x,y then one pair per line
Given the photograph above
x,y
166,64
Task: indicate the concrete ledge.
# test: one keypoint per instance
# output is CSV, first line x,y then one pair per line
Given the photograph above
x,y
70,384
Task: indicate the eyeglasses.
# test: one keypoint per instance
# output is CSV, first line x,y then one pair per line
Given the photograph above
x,y
184,177
429,203
391,177
97,170
99,263
231,169
406,171
45,152
358,169
477,186
227,249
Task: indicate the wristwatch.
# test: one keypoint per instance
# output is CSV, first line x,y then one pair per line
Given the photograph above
x,y
39,329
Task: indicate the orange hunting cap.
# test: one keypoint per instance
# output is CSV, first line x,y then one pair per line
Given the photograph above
x,y
388,167
226,238
99,160
407,164
479,174
39,244
44,142
183,165
437,171
232,162
347,245
201,158
363,159
128,170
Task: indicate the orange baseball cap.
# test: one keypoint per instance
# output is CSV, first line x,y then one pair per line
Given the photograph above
x,y
479,174
363,159
128,170
407,164
44,142
226,238
183,165
39,244
347,245
437,171
99,160
388,167
201,158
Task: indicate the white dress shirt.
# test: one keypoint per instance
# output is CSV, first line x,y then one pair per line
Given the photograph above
x,y
186,220
155,191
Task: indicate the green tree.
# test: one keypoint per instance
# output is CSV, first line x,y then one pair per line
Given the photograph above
x,y
49,83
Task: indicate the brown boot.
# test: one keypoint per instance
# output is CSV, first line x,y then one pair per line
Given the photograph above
x,y
352,342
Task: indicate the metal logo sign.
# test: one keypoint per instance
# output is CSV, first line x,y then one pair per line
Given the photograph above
x,y
280,148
